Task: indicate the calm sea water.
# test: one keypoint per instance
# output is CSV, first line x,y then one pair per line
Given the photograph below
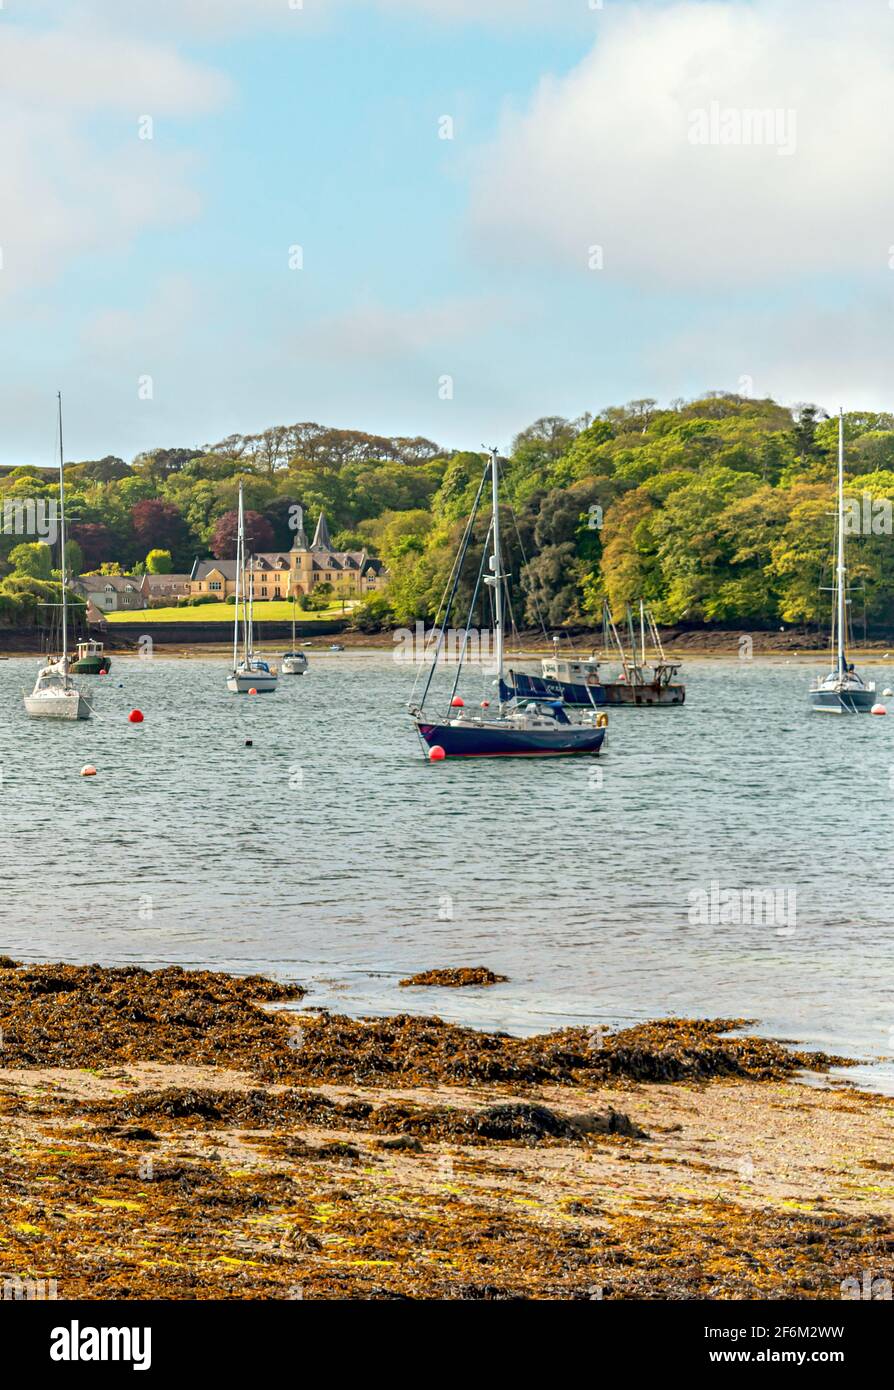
x,y
332,853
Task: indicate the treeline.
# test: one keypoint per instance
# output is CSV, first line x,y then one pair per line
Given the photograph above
x,y
170,505
714,510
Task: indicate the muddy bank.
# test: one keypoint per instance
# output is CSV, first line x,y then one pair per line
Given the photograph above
x,y
176,1134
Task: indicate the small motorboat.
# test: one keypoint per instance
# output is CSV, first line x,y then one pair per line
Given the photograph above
x,y
91,660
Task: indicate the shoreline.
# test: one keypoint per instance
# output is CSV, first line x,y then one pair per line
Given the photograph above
x,y
186,1134
698,644
372,644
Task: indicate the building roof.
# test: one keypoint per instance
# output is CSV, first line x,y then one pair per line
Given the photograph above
x,y
321,539
120,582
202,568
322,558
271,560
153,579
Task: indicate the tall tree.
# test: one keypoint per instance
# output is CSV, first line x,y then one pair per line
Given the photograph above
x,y
258,535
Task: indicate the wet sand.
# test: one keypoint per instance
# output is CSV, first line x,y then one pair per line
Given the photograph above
x,y
183,1135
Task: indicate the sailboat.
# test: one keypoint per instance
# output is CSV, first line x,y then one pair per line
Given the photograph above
x,y
577,680
537,727
250,673
55,696
294,663
842,691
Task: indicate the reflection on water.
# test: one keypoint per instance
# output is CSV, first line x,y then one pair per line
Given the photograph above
x,y
331,852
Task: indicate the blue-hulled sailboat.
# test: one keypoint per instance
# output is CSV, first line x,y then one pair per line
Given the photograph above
x,y
842,691
510,728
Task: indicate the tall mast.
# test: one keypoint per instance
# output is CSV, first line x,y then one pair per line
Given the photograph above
x,y
642,632
841,583
62,540
250,630
238,585
630,635
496,565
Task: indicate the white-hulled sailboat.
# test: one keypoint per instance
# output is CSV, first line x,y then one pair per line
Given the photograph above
x,y
55,695
249,672
842,691
294,663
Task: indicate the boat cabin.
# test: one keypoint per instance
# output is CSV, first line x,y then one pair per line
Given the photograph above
x,y
573,672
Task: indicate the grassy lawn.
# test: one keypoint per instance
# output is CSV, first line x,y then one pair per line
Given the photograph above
x,y
223,613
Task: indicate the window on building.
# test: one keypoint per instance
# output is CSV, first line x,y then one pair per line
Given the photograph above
x,y
215,584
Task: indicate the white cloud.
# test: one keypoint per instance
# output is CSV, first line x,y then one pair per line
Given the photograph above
x,y
833,354
72,70
602,156
66,187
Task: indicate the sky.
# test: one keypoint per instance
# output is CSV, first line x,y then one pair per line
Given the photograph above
x,y
436,217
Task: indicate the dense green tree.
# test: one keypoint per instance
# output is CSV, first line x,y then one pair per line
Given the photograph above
x,y
33,559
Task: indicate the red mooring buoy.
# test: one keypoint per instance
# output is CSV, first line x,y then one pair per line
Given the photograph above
x,y
458,702
878,709
436,754
136,716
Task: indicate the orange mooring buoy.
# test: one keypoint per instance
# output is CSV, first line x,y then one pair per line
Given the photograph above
x,y
88,771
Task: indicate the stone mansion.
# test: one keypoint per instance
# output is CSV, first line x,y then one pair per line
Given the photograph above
x,y
283,574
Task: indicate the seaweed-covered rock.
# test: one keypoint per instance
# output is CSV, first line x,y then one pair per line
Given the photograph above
x,y
522,1121
456,977
609,1122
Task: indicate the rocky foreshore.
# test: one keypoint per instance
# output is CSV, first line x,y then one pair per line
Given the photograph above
x,y
172,1134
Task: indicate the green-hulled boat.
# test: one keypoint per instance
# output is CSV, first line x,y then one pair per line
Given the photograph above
x,y
91,660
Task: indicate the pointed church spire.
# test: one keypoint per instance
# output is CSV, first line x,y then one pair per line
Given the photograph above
x,y
321,539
